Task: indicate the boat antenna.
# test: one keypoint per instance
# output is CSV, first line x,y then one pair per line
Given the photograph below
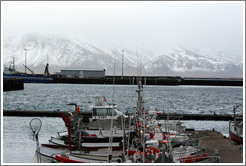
x,y
111,125
25,57
144,131
110,139
140,68
13,64
113,82
129,134
137,58
122,62
124,137
168,112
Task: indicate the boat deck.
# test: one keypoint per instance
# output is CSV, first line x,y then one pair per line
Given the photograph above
x,y
228,151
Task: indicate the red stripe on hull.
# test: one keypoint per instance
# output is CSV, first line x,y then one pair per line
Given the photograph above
x,y
66,159
194,158
235,138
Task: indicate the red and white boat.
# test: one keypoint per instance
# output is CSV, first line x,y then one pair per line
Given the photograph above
x,y
236,127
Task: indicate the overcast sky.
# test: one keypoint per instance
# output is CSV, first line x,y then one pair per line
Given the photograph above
x,y
147,24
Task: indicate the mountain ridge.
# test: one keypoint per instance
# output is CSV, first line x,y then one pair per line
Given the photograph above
x,y
62,52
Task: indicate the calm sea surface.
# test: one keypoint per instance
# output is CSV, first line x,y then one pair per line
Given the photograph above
x,y
18,146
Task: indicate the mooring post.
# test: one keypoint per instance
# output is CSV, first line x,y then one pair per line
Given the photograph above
x,y
216,155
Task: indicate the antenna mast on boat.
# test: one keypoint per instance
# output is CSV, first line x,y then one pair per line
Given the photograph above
x,y
137,58
111,125
141,117
25,58
12,66
122,62
113,82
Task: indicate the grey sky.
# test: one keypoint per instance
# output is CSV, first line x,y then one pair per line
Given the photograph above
x,y
208,25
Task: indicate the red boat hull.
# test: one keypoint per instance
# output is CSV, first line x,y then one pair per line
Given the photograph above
x,y
194,158
236,138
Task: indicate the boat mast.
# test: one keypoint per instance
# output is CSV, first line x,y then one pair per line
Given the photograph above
x,y
111,125
122,61
12,66
141,117
25,58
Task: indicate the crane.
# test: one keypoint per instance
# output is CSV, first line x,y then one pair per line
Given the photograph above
x,y
29,69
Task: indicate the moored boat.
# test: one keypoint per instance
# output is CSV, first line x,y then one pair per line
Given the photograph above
x,y
10,72
236,127
146,140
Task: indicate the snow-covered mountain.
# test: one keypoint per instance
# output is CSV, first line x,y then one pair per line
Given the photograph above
x,y
65,53
188,63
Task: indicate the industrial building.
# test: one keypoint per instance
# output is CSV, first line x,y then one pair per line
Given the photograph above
x,y
84,73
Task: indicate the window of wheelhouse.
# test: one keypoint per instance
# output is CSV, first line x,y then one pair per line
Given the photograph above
x,y
109,112
103,112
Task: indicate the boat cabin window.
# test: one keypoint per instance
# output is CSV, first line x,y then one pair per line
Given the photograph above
x,y
103,112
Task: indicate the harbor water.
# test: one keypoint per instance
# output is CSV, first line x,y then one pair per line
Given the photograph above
x,y
19,147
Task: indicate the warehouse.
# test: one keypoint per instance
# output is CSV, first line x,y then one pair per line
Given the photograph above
x,y
84,73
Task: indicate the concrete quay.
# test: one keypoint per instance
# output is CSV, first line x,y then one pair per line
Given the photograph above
x,y
228,151
12,84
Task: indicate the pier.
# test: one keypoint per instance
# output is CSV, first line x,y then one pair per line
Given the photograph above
x,y
215,142
33,113
212,81
125,80
215,117
153,80
132,80
13,84
56,113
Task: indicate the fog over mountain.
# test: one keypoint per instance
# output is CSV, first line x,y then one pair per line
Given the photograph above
x,y
71,53
198,39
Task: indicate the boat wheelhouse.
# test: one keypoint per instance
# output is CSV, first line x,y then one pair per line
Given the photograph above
x,y
102,111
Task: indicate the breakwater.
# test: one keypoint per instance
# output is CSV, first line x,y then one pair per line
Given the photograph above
x,y
125,80
213,117
154,80
32,113
213,81
13,84
132,80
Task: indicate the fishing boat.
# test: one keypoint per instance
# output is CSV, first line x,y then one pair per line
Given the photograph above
x,y
11,73
236,127
94,133
145,140
87,142
160,141
49,153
